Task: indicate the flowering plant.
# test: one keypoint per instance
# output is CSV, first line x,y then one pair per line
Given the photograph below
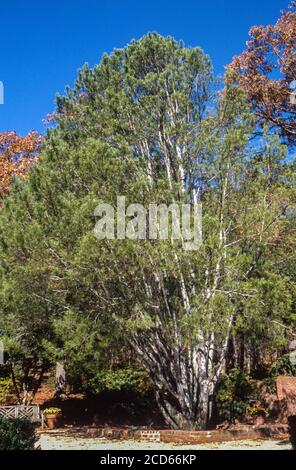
x,y
52,411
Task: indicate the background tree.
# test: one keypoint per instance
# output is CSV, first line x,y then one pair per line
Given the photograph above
x,y
17,155
266,71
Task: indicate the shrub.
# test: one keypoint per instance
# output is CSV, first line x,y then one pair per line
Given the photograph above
x,y
17,434
6,390
234,393
120,380
282,366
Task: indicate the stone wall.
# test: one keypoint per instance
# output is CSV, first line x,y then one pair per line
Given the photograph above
x,y
286,387
286,391
191,437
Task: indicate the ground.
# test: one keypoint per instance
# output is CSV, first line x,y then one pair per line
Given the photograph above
x,y
48,442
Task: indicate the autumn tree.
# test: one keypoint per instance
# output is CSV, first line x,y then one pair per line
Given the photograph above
x,y
266,71
17,155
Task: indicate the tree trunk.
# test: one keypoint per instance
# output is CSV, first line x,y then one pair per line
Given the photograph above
x,y
184,382
60,385
195,415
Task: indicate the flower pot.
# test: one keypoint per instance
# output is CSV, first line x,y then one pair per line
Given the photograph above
x,y
53,420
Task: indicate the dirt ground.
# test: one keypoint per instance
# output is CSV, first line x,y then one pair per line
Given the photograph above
x,y
47,442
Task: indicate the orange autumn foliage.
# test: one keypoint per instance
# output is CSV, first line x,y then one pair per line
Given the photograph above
x,y
17,155
266,70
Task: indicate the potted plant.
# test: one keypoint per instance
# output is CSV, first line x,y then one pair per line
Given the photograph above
x,y
52,416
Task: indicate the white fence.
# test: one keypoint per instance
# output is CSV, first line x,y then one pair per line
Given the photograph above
x,y
20,411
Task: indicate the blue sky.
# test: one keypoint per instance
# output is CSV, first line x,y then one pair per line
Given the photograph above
x,y
43,44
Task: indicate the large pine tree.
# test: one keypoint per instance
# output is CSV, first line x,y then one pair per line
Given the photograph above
x,y
147,124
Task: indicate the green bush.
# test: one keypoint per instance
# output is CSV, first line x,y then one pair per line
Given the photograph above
x,y
281,366
6,390
17,434
120,380
234,392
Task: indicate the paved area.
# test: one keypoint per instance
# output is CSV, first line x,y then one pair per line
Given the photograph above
x,y
48,442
